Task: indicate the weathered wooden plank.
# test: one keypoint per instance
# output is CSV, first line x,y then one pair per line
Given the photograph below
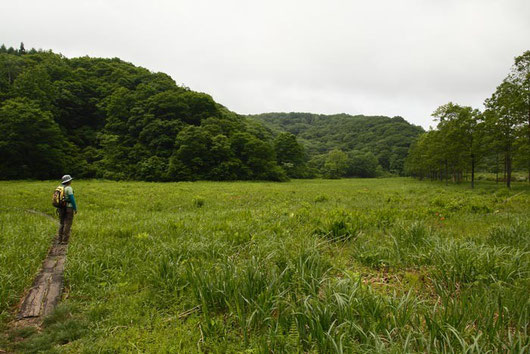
x,y
46,291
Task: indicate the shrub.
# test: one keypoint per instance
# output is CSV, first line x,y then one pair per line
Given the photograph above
x,y
321,198
339,226
198,201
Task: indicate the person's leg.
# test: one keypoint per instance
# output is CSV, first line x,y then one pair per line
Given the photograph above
x,y
60,232
69,217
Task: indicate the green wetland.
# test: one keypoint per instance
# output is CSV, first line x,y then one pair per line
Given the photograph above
x,y
352,265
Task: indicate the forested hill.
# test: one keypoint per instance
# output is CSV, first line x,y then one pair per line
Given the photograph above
x,y
388,139
93,117
106,118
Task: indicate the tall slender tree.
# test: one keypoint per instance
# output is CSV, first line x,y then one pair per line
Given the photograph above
x,y
462,129
520,76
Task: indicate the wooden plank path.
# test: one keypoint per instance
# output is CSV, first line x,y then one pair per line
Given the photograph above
x,y
47,287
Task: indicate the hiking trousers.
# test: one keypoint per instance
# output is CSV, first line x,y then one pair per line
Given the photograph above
x,y
66,216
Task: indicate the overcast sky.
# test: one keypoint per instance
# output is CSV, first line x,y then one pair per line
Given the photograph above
x,y
389,57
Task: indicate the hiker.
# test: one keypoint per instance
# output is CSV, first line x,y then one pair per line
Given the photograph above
x,y
66,213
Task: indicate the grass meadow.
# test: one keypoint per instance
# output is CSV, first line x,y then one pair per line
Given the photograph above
x,y
328,266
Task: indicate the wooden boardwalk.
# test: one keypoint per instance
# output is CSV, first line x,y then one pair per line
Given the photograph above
x,y
47,287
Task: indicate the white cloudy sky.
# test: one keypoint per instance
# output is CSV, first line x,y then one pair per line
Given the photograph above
x,y
324,56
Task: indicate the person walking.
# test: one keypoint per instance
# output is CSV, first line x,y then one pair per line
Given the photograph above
x,y
66,214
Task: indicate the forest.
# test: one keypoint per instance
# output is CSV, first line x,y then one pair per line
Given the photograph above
x,y
342,145
465,140
106,118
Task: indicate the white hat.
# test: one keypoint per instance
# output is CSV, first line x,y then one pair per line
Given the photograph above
x,y
66,179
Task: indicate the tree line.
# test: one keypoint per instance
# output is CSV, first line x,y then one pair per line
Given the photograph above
x,y
106,118
342,145
466,139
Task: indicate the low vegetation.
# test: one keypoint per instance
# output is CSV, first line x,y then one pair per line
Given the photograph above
x,y
316,266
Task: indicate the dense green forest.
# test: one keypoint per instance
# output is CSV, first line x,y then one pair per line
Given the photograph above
x,y
466,140
107,118
343,145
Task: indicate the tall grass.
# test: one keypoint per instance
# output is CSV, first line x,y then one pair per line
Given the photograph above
x,y
24,241
392,265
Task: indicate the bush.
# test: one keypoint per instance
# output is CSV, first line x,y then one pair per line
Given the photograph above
x,y
198,201
339,226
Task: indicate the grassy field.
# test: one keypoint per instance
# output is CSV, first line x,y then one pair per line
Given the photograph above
x,y
350,265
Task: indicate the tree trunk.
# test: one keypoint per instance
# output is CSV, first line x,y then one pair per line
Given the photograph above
x,y
505,159
446,174
472,171
508,169
497,168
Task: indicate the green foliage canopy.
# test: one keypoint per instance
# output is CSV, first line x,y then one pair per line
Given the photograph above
x,y
31,143
96,117
466,138
388,139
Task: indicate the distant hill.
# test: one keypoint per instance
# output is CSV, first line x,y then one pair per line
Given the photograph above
x,y
386,138
106,118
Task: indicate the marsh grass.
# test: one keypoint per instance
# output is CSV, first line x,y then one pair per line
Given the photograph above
x,y
390,265
339,226
515,234
24,241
